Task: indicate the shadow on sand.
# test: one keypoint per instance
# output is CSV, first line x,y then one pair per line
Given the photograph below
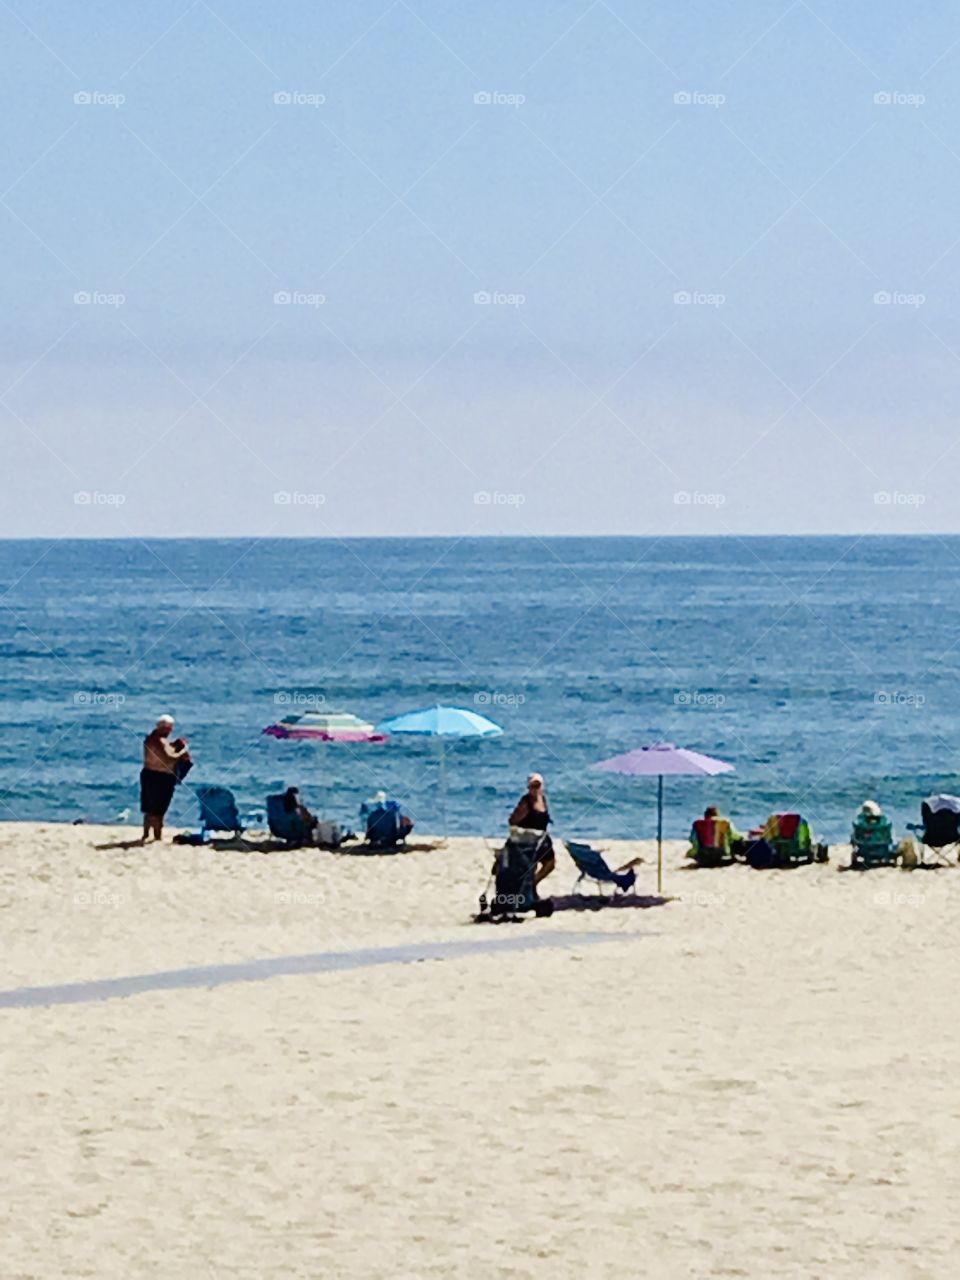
x,y
268,844
615,902
576,902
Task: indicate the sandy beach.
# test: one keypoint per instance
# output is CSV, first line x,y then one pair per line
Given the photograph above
x,y
755,1079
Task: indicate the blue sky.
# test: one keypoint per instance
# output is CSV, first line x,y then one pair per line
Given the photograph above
x,y
793,170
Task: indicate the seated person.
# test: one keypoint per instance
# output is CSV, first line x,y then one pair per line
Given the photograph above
x,y
384,822
293,804
712,837
871,829
532,813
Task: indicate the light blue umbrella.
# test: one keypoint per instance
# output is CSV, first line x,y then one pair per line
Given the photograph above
x,y
441,723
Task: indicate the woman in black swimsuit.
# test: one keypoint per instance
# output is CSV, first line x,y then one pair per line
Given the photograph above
x,y
533,814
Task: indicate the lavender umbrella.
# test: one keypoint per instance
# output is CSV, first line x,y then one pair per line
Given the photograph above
x,y
657,761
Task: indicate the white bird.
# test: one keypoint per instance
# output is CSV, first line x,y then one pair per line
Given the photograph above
x,y
123,816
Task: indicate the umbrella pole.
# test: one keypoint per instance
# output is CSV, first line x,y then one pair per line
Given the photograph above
x,y
659,833
443,788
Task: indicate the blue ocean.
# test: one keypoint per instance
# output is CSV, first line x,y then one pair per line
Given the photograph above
x,y
823,668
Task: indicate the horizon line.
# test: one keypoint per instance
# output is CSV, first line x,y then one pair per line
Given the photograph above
x,y
462,537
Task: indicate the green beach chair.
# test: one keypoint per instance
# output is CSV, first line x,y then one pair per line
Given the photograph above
x,y
788,835
711,842
872,843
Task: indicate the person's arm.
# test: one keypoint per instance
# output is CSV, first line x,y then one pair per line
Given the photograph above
x,y
174,753
547,864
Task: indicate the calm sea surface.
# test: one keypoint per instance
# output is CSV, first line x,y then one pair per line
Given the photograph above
x,y
823,668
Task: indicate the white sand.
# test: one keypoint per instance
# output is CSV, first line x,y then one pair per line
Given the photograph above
x,y
757,1080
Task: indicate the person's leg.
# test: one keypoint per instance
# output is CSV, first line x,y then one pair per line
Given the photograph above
x,y
158,827
147,821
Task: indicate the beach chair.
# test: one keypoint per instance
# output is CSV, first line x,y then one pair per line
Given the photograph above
x,y
592,865
871,843
939,828
711,842
218,810
386,826
788,835
285,825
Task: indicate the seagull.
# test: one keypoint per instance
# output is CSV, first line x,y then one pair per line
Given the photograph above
x,y
123,816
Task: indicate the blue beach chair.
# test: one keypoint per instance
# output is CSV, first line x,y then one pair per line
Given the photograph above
x,y
218,810
286,825
592,865
385,824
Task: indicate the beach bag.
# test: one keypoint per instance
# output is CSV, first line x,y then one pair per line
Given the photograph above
x,y
760,855
328,834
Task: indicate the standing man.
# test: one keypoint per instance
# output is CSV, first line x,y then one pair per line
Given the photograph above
x,y
159,775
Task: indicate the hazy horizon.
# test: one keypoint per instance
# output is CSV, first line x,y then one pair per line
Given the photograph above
x,y
420,270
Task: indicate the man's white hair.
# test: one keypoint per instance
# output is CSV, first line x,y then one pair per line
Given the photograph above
x,y
165,719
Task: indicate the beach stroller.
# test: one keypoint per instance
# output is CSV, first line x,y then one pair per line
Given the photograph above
x,y
592,865
940,826
218,810
286,825
871,842
788,835
514,877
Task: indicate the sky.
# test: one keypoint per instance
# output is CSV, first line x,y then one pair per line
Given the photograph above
x,y
562,267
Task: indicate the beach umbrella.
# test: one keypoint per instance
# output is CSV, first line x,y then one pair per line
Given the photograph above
x,y
660,760
441,723
324,726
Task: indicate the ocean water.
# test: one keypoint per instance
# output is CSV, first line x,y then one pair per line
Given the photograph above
x,y
823,668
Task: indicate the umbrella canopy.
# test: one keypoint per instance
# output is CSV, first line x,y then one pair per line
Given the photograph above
x,y
660,760
442,722
324,726
446,722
